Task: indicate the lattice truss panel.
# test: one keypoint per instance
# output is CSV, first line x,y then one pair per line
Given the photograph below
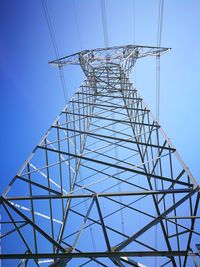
x,y
104,187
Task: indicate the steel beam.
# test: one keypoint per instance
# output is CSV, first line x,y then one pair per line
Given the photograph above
x,y
98,255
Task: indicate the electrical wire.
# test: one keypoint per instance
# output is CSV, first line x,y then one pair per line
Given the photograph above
x,y
55,48
134,22
104,23
159,39
160,22
134,41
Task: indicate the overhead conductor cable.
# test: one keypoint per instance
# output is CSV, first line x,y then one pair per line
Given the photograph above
x,y
55,47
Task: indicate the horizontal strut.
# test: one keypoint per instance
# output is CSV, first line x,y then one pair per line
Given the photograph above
x,y
106,194
98,254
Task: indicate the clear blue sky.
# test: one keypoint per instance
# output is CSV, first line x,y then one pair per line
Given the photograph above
x,y
31,95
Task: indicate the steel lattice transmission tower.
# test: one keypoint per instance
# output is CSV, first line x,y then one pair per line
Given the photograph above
x,y
105,186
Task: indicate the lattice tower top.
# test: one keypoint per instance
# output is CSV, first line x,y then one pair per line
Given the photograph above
x,y
123,56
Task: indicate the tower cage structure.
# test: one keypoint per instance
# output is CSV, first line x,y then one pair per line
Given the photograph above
x,y
105,185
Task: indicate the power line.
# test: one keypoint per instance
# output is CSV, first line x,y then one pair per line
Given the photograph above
x,y
63,82
104,23
134,22
159,39
134,39
55,47
158,87
160,22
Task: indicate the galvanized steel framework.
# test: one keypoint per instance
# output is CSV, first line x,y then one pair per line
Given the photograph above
x,y
105,186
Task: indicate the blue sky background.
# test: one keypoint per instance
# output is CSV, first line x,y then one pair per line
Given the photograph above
x,y
31,94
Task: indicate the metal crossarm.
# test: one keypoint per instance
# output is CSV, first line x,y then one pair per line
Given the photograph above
x,y
104,180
